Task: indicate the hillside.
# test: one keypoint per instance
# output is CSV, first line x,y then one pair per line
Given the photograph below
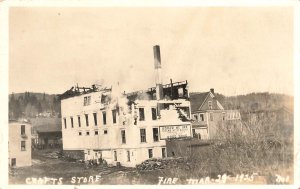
x,y
255,101
28,105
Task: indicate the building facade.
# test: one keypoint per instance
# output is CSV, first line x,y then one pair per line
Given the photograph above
x,y
19,144
209,115
103,123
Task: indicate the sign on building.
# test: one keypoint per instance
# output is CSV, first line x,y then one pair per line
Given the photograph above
x,y
175,131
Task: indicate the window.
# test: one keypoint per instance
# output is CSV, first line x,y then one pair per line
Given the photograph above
x,y
201,117
163,153
95,118
142,114
180,92
155,134
87,133
87,100
211,116
114,114
104,118
195,117
23,145
65,123
210,105
223,116
22,129
123,136
96,132
89,152
143,135
154,113
80,133
115,156
72,122
150,153
105,132
79,122
87,120
128,155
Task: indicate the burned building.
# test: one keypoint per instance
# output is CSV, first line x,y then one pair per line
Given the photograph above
x,y
103,123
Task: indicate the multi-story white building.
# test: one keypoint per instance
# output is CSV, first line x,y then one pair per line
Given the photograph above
x,y
126,128
19,144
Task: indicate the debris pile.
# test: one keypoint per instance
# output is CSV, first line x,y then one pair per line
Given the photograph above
x,y
158,163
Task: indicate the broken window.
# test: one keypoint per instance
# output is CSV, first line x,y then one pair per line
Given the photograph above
x,y
150,153
123,136
22,129
95,118
114,114
79,123
72,122
23,145
155,134
87,120
142,114
143,135
104,118
154,113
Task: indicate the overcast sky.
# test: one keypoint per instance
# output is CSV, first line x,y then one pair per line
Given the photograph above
x,y
233,50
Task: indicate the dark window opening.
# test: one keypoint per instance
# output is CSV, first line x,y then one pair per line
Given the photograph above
x,y
154,113
95,118
79,133
150,153
114,114
23,145
96,132
87,133
65,123
115,156
123,136
87,120
128,155
143,135
105,132
72,122
201,117
79,123
22,129
142,114
155,134
163,152
104,118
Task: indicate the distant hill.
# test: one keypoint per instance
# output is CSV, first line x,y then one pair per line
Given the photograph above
x,y
256,101
28,105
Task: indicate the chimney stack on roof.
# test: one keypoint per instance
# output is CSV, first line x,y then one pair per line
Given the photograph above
x,y
212,91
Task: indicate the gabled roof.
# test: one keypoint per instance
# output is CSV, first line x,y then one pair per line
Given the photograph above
x,y
197,100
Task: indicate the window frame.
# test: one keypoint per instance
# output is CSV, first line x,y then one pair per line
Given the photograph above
x,y
143,135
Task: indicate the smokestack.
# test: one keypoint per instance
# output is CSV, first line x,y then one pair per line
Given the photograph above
x,y
212,91
158,79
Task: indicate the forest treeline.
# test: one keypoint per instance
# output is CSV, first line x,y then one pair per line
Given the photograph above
x,y
28,104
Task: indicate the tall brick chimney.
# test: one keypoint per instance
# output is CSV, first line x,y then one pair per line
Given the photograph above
x,y
158,78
